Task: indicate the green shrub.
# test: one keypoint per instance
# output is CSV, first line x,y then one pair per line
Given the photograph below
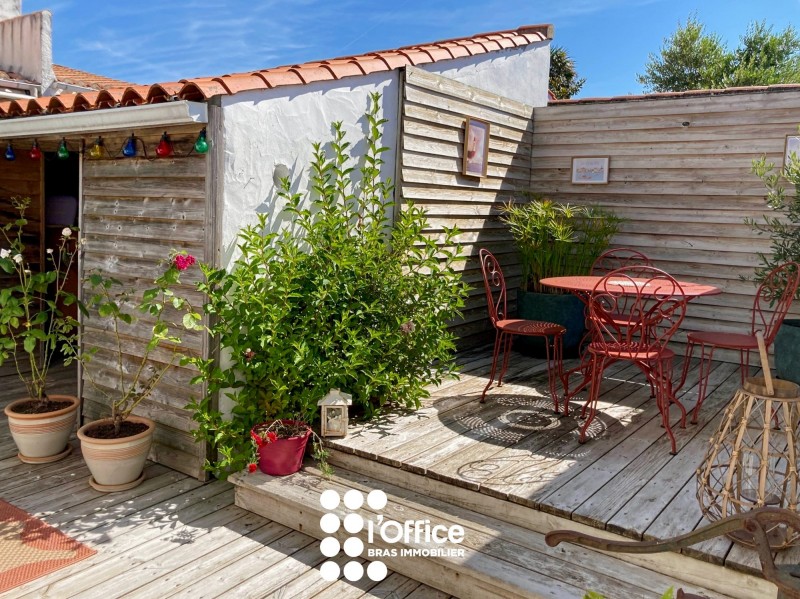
x,y
556,240
343,298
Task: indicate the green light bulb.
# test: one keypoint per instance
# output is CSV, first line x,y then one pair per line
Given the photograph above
x,y
63,152
201,145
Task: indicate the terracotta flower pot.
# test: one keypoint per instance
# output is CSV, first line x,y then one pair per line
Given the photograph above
x,y
43,438
116,464
282,456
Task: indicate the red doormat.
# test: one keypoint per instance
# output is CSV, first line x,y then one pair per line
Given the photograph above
x,y
29,548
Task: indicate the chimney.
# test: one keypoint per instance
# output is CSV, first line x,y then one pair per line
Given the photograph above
x,y
26,45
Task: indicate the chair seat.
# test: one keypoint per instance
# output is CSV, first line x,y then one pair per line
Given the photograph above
x,y
519,326
631,351
725,340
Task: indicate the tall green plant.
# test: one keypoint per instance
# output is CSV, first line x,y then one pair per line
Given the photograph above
x,y
783,228
344,298
557,239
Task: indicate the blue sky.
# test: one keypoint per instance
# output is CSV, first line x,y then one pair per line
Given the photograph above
x,y
148,42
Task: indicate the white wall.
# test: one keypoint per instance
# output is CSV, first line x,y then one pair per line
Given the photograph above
x,y
277,127
521,74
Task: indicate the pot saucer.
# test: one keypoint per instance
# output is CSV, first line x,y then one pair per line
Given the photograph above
x,y
46,459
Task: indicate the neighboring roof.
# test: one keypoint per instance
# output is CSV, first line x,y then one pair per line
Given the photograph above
x,y
202,89
84,79
780,87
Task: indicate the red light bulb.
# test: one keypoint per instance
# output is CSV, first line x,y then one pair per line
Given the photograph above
x,y
35,153
164,147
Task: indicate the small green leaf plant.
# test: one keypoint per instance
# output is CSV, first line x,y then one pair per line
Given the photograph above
x,y
783,225
556,239
34,332
137,373
348,296
668,594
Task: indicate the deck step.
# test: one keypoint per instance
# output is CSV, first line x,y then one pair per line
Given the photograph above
x,y
495,559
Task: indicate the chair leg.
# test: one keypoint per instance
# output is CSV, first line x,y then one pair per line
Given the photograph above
x,y
594,395
663,401
506,356
498,339
555,371
703,374
687,361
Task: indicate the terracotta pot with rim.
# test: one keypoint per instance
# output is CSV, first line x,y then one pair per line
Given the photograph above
x,y
116,464
43,438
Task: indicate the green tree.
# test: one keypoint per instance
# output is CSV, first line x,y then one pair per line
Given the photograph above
x,y
691,58
564,80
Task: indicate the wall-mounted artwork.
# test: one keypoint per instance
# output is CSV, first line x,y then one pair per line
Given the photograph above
x,y
476,147
590,170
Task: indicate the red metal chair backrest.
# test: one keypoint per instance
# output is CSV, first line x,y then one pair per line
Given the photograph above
x,y
636,306
774,298
617,258
495,284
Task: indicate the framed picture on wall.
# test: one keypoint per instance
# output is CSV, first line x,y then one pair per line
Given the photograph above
x,y
590,171
792,145
476,147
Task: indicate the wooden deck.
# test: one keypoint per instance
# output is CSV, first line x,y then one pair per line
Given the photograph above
x,y
515,449
173,536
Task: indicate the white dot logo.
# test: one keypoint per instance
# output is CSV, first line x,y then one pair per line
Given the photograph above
x,y
353,546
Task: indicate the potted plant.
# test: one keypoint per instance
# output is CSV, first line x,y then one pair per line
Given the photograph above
x,y
344,297
783,229
115,448
556,240
279,447
35,334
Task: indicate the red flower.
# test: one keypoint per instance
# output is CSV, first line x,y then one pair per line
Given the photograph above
x,y
251,467
182,262
257,438
271,437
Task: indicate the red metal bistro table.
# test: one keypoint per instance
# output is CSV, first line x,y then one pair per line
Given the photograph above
x,y
582,286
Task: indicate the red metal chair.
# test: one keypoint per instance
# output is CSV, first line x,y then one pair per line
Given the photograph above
x,y
506,328
617,258
654,307
772,302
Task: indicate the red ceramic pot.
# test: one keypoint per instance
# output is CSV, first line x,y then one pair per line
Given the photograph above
x,y
282,456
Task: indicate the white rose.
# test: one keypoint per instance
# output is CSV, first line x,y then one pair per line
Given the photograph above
x,y
4,253
66,232
18,258
49,250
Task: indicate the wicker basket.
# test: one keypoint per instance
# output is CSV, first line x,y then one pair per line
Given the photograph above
x,y
752,458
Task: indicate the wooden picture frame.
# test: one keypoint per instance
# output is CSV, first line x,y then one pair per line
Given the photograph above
x,y
792,144
476,148
590,170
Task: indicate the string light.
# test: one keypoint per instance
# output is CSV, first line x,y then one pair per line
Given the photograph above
x,y
96,151
10,152
63,151
36,152
201,145
164,147
129,147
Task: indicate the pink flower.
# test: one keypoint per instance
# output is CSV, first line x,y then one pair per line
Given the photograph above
x,y
182,262
271,437
251,467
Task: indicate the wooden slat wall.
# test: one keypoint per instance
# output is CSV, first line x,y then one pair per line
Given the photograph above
x,y
431,154
679,171
134,212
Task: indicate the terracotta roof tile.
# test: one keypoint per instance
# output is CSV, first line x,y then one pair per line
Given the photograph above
x,y
38,105
119,93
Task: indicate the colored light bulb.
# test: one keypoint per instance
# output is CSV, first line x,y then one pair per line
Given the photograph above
x,y
63,151
129,149
96,151
201,145
164,147
35,152
10,152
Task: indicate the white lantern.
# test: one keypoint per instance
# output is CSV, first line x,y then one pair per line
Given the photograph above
x,y
334,413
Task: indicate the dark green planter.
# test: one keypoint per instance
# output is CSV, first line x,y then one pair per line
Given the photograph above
x,y
566,310
787,350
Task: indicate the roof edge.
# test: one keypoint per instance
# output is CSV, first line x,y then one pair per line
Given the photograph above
x,y
692,93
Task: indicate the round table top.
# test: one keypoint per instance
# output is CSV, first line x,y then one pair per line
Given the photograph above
x,y
587,283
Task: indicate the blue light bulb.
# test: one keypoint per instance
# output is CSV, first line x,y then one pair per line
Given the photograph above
x,y
10,152
129,149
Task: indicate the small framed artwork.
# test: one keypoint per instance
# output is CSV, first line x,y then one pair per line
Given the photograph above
x,y
590,171
792,145
476,147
